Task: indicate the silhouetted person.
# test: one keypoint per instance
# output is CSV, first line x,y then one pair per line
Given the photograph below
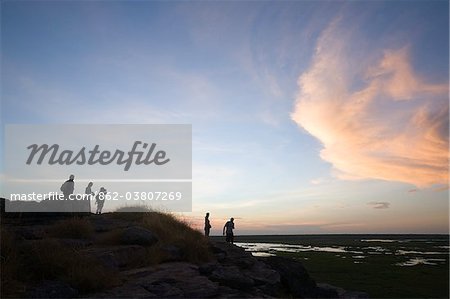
x,y
68,187
207,225
228,228
100,200
88,194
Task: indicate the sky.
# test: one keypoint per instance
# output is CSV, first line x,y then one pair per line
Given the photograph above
x,y
307,116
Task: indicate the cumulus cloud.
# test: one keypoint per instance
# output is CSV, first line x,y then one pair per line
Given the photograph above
x,y
376,118
379,204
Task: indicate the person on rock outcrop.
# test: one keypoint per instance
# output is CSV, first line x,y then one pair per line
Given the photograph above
x,y
228,229
88,194
207,225
68,187
100,200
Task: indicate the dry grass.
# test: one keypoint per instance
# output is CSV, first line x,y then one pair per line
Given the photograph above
x,y
48,259
10,267
170,230
173,231
29,263
76,228
112,237
130,213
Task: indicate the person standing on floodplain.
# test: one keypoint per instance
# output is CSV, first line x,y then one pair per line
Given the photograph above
x,y
228,229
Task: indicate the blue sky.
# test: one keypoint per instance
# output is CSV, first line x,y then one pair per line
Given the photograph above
x,y
306,115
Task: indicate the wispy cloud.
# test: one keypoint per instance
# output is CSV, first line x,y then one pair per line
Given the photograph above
x,y
376,119
379,204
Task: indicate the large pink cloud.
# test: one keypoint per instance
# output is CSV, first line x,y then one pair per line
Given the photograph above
x,y
376,118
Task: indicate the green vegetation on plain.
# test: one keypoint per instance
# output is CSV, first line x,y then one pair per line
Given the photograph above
x,y
377,273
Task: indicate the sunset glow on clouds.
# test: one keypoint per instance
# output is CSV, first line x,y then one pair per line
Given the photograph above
x,y
307,116
393,126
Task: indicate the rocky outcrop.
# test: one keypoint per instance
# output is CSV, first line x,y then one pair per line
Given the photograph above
x,y
117,257
138,236
169,280
296,280
343,294
232,272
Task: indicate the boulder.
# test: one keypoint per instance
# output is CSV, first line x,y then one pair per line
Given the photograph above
x,y
102,223
341,293
53,289
208,268
162,289
172,253
262,274
138,236
182,276
75,243
231,276
232,255
128,290
169,280
116,257
294,277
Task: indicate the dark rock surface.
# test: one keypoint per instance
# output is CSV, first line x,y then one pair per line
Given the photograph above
x,y
30,232
138,236
117,257
103,224
169,280
52,289
76,243
294,277
235,273
172,253
341,293
231,273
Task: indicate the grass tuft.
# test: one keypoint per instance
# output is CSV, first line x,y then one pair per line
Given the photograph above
x,y
169,229
10,267
76,228
173,231
48,259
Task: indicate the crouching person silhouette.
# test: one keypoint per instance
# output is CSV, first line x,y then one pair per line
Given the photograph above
x,y
228,228
100,200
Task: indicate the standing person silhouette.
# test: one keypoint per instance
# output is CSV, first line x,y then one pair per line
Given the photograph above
x,y
88,194
207,225
88,190
229,226
68,187
100,200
